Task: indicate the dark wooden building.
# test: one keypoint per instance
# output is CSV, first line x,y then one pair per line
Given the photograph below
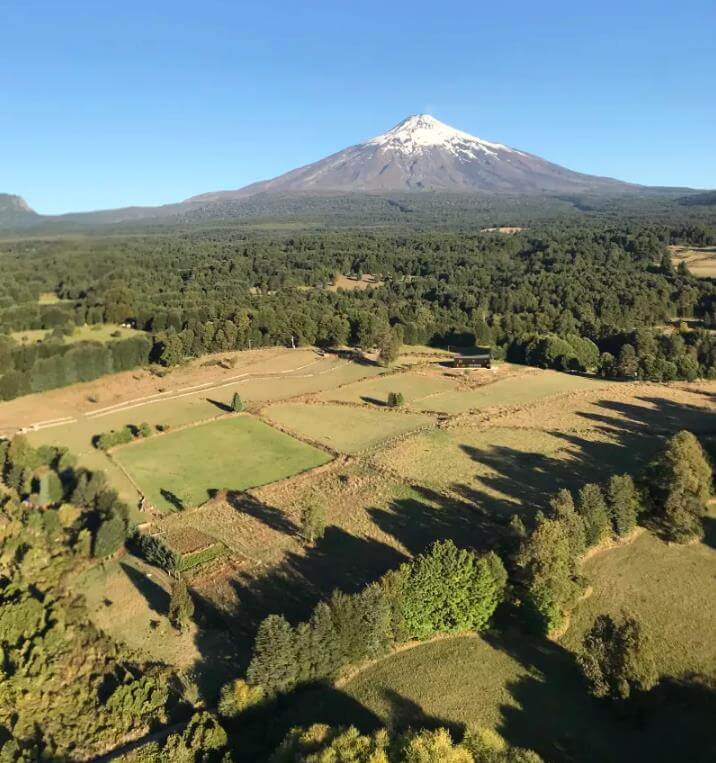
x,y
475,357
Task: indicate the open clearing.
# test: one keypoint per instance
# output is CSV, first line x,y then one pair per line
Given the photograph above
x,y
701,261
346,429
180,469
353,283
106,332
669,587
413,386
444,390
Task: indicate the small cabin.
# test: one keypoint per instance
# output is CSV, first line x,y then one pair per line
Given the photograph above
x,y
478,357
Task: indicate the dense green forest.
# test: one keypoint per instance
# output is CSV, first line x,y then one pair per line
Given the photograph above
x,y
554,296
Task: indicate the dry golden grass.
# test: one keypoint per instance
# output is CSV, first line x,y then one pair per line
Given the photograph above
x,y
701,261
352,283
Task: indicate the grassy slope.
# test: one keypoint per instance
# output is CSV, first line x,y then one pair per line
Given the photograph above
x,y
670,588
98,333
345,428
234,453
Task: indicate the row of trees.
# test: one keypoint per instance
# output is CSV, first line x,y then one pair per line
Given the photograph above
x,y
673,497
205,740
443,590
43,366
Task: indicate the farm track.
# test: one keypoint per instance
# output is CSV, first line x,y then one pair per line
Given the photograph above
x,y
169,395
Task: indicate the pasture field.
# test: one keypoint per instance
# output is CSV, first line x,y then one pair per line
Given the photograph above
x,y
524,387
106,332
442,390
521,457
129,599
347,429
530,691
413,385
179,469
701,261
669,587
280,375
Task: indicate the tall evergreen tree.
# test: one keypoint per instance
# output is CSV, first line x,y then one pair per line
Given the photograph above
x,y
562,504
623,502
273,662
593,510
679,486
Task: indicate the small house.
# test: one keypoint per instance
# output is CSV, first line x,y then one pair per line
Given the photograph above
x,y
475,357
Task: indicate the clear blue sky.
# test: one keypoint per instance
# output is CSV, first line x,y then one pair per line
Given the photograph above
x,y
104,104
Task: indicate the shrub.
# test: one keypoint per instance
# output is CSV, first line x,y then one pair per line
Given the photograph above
x,y
112,439
395,399
313,523
237,696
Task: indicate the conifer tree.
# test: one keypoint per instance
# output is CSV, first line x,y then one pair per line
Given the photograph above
x,y
593,510
324,642
562,505
680,485
181,605
549,572
623,502
273,661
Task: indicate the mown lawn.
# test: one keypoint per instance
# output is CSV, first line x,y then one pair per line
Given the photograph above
x,y
180,469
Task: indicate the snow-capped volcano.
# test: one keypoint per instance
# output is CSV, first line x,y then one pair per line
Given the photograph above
x,y
422,131
422,153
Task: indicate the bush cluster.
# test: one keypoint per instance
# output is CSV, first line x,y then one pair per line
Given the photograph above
x,y
445,589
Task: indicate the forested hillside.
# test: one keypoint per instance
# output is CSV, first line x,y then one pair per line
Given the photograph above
x,y
554,296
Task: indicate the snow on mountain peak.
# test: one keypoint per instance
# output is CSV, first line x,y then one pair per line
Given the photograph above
x,y
423,131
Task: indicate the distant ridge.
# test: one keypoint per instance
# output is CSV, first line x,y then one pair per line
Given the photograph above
x,y
15,211
419,154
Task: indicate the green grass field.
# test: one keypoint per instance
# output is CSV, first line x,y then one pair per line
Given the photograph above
x,y
86,333
414,387
670,588
344,428
180,468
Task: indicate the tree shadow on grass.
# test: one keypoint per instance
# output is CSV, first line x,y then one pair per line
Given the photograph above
x,y
294,586
553,713
156,597
416,522
224,407
269,515
623,438
176,503
261,730
374,401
